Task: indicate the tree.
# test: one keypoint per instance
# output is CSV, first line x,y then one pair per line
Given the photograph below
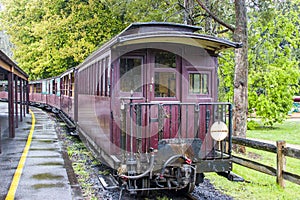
x,y
241,73
52,36
241,67
273,60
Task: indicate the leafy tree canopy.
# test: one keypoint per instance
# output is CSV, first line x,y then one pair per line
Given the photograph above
x,y
273,60
273,64
51,36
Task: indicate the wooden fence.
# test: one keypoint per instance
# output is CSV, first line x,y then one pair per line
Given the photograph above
x,y
280,149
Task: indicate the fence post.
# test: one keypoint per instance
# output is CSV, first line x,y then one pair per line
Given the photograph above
x,y
281,163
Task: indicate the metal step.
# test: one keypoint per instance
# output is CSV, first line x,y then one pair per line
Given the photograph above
x,y
231,176
234,177
68,122
55,111
108,182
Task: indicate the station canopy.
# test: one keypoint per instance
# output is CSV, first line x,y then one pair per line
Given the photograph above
x,y
13,89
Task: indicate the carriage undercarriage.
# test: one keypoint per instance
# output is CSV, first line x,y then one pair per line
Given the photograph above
x,y
177,174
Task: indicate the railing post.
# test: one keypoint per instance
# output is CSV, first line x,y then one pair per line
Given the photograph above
x,y
281,163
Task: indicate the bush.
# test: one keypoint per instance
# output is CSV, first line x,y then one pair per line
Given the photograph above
x,y
252,125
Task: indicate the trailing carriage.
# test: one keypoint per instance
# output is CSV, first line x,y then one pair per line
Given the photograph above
x,y
145,103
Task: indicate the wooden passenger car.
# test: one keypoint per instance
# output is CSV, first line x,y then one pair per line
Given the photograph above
x,y
146,104
56,92
154,86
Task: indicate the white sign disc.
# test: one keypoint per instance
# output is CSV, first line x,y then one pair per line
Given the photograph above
x,y
219,131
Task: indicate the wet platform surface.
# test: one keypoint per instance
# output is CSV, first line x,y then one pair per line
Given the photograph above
x,y
43,174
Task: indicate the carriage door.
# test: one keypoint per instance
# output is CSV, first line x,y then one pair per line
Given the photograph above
x,y
128,88
131,77
163,95
164,77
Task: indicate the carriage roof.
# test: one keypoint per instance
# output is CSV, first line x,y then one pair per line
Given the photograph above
x,y
162,32
173,33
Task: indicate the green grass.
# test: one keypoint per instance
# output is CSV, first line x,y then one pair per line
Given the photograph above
x,y
259,185
288,131
80,156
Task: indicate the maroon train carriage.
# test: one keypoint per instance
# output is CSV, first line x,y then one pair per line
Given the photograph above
x,y
67,93
52,91
146,104
35,92
56,94
3,90
43,92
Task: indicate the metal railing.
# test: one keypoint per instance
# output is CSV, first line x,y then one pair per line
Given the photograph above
x,y
143,125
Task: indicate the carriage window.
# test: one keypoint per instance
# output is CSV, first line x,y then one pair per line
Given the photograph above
x,y
165,74
99,78
107,76
165,60
53,87
44,87
130,74
198,83
165,84
38,88
71,84
103,77
57,82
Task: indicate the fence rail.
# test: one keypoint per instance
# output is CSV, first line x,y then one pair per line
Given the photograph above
x,y
280,149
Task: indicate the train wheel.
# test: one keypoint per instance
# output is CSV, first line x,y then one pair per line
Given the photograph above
x,y
145,184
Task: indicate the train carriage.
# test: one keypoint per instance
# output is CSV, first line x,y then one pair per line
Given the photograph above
x,y
3,89
146,104
56,94
52,91
67,93
37,93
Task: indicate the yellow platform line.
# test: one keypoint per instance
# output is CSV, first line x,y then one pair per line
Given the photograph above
x,y
18,173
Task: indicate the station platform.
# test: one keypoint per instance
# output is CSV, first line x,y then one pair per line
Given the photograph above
x,y
31,164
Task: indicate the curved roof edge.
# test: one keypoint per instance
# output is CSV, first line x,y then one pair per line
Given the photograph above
x,y
182,27
142,30
193,39
154,29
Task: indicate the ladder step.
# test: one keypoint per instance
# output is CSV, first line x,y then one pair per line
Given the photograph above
x,y
108,181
